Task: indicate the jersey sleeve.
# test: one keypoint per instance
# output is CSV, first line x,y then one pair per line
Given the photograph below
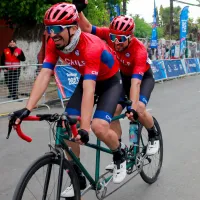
x,y
51,57
92,65
101,32
139,63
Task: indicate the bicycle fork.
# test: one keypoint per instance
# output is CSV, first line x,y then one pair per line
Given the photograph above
x,y
60,176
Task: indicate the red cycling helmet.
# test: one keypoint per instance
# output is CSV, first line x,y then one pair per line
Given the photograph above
x,y
122,25
61,14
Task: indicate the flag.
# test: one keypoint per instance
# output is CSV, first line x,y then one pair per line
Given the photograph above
x,y
116,10
154,36
183,29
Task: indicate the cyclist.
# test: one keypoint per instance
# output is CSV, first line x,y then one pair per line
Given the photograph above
x,y
99,69
137,76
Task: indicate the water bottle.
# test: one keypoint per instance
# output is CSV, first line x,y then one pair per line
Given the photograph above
x,y
133,133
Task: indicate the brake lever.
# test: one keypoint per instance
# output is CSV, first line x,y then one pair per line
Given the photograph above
x,y
10,125
9,130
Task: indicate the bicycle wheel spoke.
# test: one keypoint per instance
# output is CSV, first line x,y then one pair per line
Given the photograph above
x,y
31,193
38,181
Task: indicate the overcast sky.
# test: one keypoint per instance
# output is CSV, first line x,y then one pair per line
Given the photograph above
x,y
145,8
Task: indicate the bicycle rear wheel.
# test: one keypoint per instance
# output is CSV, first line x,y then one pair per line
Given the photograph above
x,y
40,180
151,164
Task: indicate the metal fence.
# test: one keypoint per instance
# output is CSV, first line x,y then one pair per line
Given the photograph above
x,y
16,82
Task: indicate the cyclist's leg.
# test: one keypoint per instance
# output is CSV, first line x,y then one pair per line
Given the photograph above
x,y
115,125
146,89
145,117
73,108
109,92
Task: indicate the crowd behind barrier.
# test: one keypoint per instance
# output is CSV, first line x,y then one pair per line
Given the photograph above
x,y
66,78
170,49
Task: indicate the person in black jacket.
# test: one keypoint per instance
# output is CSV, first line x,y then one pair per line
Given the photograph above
x,y
11,57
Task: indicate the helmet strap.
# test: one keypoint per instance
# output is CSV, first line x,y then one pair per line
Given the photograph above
x,y
69,36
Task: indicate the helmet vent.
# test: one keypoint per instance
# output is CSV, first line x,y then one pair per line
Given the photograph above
x,y
127,27
62,15
122,25
49,14
55,14
116,25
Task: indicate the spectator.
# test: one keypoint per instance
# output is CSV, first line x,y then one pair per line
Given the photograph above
x,y
12,56
172,51
193,50
149,51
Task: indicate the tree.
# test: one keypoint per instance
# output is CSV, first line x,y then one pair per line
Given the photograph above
x,y
143,29
27,15
165,21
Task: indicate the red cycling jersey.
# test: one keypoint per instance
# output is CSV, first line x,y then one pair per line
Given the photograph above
x,y
133,60
92,58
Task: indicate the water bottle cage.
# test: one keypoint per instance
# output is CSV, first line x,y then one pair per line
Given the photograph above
x,y
135,114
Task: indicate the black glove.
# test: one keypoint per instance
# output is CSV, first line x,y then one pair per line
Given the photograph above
x,y
80,4
84,136
135,114
21,114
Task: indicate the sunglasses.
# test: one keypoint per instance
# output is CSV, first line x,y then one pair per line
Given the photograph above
x,y
119,38
56,28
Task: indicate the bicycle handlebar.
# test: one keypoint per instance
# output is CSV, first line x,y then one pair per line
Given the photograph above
x,y
27,138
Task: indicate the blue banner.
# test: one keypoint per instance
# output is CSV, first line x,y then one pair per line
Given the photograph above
x,y
174,68
158,69
183,29
154,36
192,65
116,11
67,79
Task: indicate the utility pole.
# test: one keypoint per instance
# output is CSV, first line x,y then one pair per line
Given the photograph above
x,y
171,19
124,7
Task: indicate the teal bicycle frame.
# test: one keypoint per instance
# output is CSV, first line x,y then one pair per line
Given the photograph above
x,y
60,136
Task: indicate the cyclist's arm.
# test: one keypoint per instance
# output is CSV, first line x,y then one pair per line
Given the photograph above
x,y
44,76
87,103
135,92
139,64
84,24
39,88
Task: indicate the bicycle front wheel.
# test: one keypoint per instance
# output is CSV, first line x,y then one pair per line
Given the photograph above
x,y
40,180
151,164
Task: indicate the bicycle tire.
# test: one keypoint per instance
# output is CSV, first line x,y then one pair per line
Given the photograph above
x,y
48,158
143,175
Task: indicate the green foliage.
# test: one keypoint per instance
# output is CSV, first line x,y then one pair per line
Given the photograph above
x,y
97,13
165,21
23,12
143,29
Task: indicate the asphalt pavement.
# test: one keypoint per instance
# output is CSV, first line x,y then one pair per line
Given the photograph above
x,y
175,104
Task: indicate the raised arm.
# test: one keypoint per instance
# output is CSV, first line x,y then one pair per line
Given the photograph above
x,y
84,24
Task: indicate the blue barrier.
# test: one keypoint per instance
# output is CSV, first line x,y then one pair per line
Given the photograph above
x,y
174,68
67,78
192,65
158,69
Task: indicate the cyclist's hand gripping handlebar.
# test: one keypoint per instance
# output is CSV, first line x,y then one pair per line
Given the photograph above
x,y
47,117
